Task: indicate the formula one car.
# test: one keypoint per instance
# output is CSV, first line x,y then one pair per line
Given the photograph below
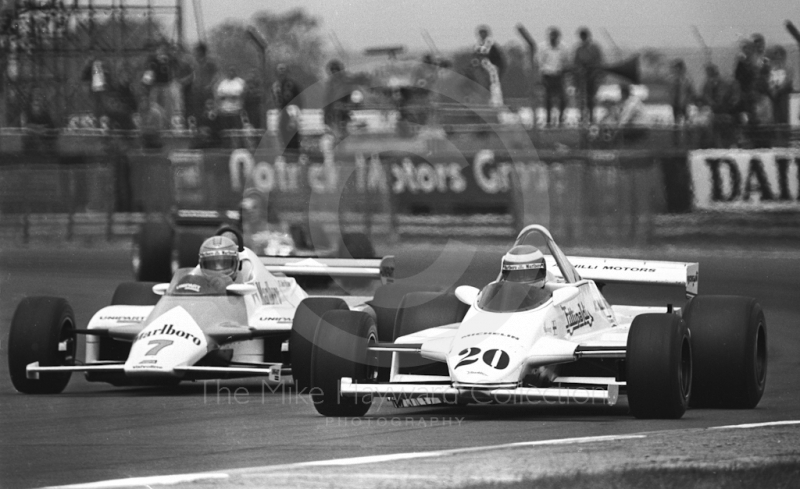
x,y
542,331
227,317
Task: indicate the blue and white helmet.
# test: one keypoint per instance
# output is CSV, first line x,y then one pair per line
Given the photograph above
x,y
219,255
524,264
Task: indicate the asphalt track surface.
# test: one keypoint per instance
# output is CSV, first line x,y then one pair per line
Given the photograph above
x,y
97,432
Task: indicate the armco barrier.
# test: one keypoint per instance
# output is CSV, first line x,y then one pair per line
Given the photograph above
x,y
585,197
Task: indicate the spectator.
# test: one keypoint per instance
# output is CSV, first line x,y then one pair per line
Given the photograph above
x,y
588,61
631,115
338,90
717,98
39,128
780,84
208,131
681,92
553,61
205,76
489,57
780,88
229,97
120,106
98,76
152,121
287,97
158,76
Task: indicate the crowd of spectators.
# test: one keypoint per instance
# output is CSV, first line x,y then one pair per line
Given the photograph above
x,y
173,89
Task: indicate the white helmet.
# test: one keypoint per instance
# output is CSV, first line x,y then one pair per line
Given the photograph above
x,y
219,255
524,264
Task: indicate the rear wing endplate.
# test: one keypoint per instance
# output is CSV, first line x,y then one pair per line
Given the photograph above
x,y
625,271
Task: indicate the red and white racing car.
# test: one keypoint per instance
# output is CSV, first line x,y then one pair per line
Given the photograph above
x,y
542,331
202,325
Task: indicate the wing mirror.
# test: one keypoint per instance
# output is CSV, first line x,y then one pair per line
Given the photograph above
x,y
467,294
241,289
564,294
160,289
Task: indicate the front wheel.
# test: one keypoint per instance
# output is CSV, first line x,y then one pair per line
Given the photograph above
x,y
42,330
341,350
729,347
301,339
659,366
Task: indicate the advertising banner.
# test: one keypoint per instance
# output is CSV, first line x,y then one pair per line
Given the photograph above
x,y
745,179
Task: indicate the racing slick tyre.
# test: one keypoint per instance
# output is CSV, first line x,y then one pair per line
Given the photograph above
x,y
152,252
42,330
301,338
420,311
355,245
729,351
386,302
659,366
340,350
135,294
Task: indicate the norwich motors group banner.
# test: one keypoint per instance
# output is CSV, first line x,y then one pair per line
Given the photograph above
x,y
727,179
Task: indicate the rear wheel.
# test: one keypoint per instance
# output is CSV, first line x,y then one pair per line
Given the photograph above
x,y
420,311
659,366
42,330
729,347
341,350
135,294
152,252
301,339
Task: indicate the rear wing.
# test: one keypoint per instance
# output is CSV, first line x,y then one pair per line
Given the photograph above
x,y
624,271
606,270
332,267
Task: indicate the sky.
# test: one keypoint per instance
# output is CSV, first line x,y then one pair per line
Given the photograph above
x,y
629,24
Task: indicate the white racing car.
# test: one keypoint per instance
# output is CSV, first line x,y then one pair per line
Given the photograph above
x,y
227,317
540,332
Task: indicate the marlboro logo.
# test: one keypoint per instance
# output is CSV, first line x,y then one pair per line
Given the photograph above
x,y
577,319
169,330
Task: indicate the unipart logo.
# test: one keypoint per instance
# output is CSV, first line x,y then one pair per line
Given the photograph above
x,y
577,319
169,330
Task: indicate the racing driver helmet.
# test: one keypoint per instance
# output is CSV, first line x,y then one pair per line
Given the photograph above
x,y
524,264
219,255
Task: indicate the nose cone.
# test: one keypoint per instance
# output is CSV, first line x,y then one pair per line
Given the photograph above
x,y
171,340
490,349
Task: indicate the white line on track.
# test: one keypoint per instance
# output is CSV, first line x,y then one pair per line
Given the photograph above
x,y
157,480
456,451
755,425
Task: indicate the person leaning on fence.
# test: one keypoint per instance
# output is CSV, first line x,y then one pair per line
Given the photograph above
x,y
553,62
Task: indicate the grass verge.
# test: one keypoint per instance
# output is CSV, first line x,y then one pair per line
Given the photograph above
x,y
773,475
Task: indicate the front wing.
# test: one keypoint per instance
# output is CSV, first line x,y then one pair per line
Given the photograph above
x,y
400,392
273,371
